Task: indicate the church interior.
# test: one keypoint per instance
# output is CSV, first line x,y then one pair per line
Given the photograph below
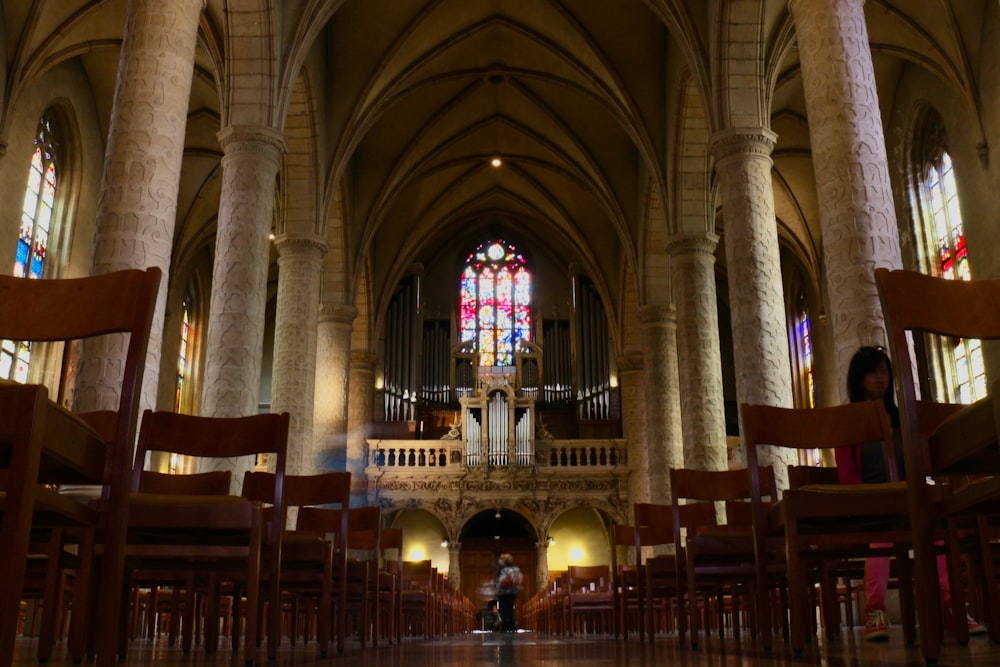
x,y
508,264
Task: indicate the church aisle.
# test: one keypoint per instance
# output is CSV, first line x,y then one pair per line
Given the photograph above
x,y
526,649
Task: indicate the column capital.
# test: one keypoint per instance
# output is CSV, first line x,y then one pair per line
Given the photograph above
x,y
656,313
736,141
266,141
703,243
808,5
338,313
363,361
287,245
630,362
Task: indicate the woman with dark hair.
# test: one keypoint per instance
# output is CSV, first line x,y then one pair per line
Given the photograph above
x,y
869,377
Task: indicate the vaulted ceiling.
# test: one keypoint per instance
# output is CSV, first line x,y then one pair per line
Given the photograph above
x,y
408,101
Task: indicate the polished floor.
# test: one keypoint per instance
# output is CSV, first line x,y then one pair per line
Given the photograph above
x,y
526,649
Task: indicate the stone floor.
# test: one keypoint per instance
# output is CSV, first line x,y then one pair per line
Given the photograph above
x,y
527,649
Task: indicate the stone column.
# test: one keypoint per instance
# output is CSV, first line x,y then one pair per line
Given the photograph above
x,y
699,366
633,424
455,565
760,337
239,276
332,363
235,337
293,381
360,407
857,214
137,206
542,566
664,446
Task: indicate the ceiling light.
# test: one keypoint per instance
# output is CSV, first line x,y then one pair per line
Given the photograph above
x,y
496,162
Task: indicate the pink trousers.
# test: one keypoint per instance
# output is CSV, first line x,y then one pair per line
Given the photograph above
x,y
877,580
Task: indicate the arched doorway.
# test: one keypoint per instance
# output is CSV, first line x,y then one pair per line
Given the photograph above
x,y
487,535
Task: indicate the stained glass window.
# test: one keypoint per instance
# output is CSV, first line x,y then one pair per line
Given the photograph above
x,y
495,302
943,241
182,356
33,238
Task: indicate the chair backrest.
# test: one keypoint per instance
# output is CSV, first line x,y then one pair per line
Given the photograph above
x,y
799,476
814,428
809,428
213,482
221,438
702,489
392,541
417,575
590,577
654,524
917,303
63,310
364,529
312,496
621,536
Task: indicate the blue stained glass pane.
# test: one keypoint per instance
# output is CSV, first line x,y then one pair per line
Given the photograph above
x,y
21,258
37,264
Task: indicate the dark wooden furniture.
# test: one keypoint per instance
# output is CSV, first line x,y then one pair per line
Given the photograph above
x,y
221,536
959,450
43,444
825,523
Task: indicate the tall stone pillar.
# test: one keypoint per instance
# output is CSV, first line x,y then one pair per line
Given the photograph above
x,y
664,446
760,338
235,337
360,414
137,206
633,424
699,362
293,380
332,365
239,276
856,211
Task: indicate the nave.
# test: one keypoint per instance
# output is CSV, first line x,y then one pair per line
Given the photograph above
x,y
528,649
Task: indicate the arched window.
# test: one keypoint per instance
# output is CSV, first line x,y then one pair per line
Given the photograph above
x,y
940,239
182,355
495,308
33,237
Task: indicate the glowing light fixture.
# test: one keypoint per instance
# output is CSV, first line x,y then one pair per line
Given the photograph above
x,y
496,162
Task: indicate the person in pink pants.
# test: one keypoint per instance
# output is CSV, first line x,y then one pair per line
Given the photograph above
x,y
869,377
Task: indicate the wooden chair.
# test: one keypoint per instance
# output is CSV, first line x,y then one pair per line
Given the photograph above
x,y
625,587
390,587
720,558
417,599
313,561
179,585
366,580
661,574
946,450
222,536
42,444
588,605
824,523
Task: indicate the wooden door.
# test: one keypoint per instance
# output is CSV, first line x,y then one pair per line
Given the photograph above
x,y
478,563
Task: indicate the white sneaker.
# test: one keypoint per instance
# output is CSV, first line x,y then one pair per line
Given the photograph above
x,y
876,627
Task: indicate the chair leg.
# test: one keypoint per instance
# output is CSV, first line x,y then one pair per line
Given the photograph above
x,y
50,595
991,602
956,585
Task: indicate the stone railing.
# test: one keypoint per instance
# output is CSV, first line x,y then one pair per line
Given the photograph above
x,y
400,454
